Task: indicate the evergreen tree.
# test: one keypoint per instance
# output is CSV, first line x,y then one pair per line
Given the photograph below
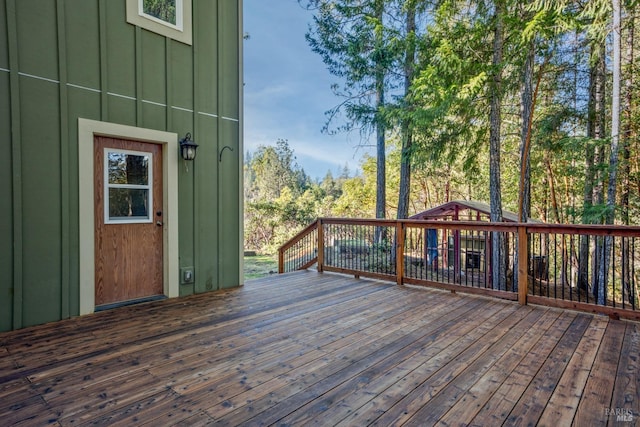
x,y
351,38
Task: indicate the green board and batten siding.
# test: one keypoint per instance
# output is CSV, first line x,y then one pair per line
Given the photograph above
x,y
69,59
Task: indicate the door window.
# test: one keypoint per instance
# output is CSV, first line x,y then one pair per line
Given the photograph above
x,y
128,186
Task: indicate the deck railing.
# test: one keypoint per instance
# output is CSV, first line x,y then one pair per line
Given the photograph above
x,y
586,267
301,252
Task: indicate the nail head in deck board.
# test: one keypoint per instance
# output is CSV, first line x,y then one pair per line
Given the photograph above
x,y
391,340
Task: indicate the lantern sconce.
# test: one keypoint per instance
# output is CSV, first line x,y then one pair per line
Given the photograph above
x,y
188,148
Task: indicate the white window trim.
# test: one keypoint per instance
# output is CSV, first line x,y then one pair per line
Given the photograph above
x,y
87,129
183,32
148,187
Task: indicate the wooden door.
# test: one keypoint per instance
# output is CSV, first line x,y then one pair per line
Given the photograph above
x,y
128,220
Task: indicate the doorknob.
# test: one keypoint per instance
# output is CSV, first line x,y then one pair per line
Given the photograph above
x,y
159,223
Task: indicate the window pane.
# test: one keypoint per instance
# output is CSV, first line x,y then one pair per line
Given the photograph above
x,y
165,10
128,203
128,169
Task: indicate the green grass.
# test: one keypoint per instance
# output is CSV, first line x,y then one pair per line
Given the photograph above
x,y
260,266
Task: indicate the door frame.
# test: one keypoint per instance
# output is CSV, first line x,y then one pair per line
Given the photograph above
x,y
86,131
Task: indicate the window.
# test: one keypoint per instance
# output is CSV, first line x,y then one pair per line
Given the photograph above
x,y
171,18
128,182
168,12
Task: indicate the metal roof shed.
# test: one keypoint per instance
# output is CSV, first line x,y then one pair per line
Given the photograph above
x,y
464,252
465,210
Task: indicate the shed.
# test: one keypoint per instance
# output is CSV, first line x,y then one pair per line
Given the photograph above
x,y
465,210
462,251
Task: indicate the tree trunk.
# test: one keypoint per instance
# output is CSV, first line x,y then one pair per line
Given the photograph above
x,y
615,117
407,129
627,128
607,242
527,101
381,158
603,273
381,199
626,155
552,187
381,172
595,129
498,252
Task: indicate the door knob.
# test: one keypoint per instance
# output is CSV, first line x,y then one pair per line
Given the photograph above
x,y
159,223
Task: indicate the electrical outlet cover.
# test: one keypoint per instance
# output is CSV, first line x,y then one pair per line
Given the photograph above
x,y
187,275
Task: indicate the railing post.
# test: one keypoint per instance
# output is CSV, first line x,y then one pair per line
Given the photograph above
x,y
523,282
320,233
280,261
399,252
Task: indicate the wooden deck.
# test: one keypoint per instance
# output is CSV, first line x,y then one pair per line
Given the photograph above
x,y
307,348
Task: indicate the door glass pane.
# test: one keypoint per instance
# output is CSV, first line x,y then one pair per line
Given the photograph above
x,y
127,168
128,191
128,203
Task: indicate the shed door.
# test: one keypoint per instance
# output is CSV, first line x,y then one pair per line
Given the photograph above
x,y
128,220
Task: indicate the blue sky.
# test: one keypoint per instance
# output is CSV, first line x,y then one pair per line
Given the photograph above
x,y
288,89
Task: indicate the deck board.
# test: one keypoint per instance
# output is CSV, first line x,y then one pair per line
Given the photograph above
x,y
479,393
627,384
323,349
597,398
535,398
562,405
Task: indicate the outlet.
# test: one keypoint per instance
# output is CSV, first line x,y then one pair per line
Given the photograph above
x,y
187,275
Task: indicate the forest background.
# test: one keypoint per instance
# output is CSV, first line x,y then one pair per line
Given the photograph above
x,y
530,107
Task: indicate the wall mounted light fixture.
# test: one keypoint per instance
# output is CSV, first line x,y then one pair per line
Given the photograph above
x,y
188,147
